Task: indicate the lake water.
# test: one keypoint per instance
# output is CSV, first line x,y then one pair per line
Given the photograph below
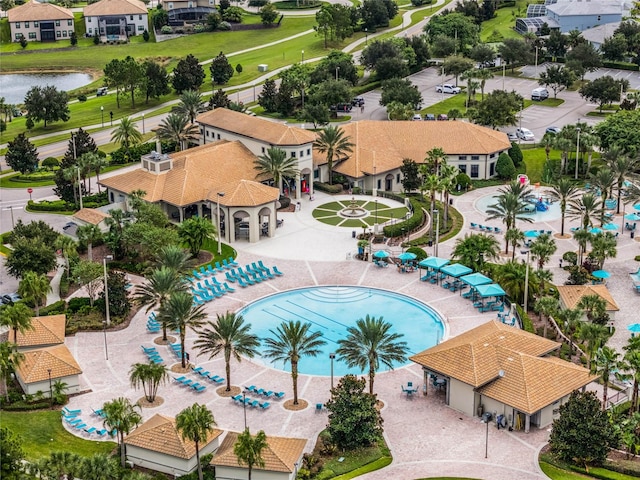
x,y
14,86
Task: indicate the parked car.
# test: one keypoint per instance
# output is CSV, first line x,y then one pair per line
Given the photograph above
x,y
525,134
513,136
417,116
442,116
341,107
539,94
448,88
357,102
553,130
429,116
10,298
101,91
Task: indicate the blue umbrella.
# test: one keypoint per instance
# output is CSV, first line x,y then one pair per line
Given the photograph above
x,y
610,226
532,234
634,217
601,274
595,230
634,327
381,254
490,290
407,256
637,206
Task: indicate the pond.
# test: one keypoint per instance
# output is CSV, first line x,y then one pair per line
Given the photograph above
x,y
14,86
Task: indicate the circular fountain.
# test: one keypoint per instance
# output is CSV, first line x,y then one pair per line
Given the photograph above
x,y
353,210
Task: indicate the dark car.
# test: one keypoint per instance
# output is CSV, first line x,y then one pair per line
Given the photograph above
x,y
443,116
552,130
357,102
341,107
10,298
429,116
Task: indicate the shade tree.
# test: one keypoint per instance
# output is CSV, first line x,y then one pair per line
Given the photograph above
x,y
47,104
188,74
22,155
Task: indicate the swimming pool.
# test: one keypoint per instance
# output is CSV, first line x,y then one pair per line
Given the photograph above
x,y
553,213
331,309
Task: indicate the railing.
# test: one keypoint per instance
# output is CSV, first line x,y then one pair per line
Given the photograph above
x,y
564,337
618,398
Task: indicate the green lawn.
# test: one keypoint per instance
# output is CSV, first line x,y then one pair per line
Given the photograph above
x,y
42,433
534,160
501,26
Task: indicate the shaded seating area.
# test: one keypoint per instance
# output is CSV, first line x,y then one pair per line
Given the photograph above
x,y
410,389
432,266
491,290
454,271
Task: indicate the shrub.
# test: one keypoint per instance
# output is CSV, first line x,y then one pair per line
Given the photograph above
x,y
49,206
96,40
284,202
75,304
325,187
258,3
527,324
463,180
516,154
408,225
224,26
50,163
166,30
199,28
570,257
120,156
505,167
54,308
419,252
145,36
82,98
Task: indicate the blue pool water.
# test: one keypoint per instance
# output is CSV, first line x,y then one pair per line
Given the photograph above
x,y
553,213
331,310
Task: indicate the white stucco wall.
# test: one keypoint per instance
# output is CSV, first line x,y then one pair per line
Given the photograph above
x,y
232,473
461,397
72,381
31,30
140,21
168,464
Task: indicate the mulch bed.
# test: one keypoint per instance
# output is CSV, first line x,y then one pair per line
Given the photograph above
x,y
160,341
146,404
177,368
222,391
302,404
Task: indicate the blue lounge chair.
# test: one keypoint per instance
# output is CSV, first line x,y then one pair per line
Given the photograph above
x,y
196,275
68,411
225,263
276,271
73,421
236,398
148,349
497,230
197,369
205,374
227,288
474,225
90,430
230,278
216,379
268,393
203,272
187,382
262,266
253,403
80,426
215,282
260,391
219,267
102,432
242,283
264,405
250,388
98,412
279,394
199,389
232,262
210,270
180,379
195,385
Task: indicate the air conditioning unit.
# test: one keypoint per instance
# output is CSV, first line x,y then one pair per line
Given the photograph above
x,y
129,464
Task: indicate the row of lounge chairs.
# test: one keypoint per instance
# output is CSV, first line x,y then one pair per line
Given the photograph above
x,y
203,272
487,229
252,274
251,402
153,325
262,391
152,354
210,291
206,374
193,384
73,420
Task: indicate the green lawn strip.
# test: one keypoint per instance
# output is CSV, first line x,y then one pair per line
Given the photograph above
x,y
64,212
370,467
333,220
370,459
503,24
332,206
551,102
319,213
534,159
451,102
354,223
42,433
8,181
211,246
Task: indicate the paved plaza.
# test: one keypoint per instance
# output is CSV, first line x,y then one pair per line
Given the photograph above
x,y
426,437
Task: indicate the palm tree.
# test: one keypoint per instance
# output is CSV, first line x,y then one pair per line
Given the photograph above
x,y
432,162
95,163
332,141
176,128
191,104
69,248
126,134
622,166
571,318
588,141
249,449
59,464
194,232
179,312
70,174
150,376
483,74
291,341
593,306
582,237
34,289
10,358
603,246
229,334
515,236
511,276
448,175
509,208
585,208
121,415
196,423
276,165
632,365
606,361
158,288
604,179
17,317
99,466
548,142
593,335
564,190
546,307
89,234
542,248
474,249
370,343
565,145
175,258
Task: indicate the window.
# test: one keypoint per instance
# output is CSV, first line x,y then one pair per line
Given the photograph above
x,y
492,169
397,178
69,23
475,157
474,171
90,32
301,153
18,36
211,2
141,28
218,136
35,24
70,33
170,5
207,132
492,155
64,33
462,168
462,157
26,24
379,184
58,35
262,149
131,18
308,152
139,17
89,19
32,35
293,154
57,23
316,174
17,24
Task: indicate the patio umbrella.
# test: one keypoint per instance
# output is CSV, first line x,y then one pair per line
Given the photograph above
x,y
476,279
610,226
595,230
490,290
532,234
436,263
634,217
406,256
637,206
634,327
455,270
601,274
381,254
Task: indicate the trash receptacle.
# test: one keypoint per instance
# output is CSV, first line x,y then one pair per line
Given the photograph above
x,y
486,417
430,243
451,201
353,234
632,234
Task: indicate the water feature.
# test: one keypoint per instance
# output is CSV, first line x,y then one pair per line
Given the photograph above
x,y
14,86
552,213
331,310
353,210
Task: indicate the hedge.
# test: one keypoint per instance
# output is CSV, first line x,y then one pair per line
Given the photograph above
x,y
325,187
621,65
527,324
24,407
77,303
414,221
53,309
49,206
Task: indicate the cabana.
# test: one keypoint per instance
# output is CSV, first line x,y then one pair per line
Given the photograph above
x,y
454,270
432,265
476,279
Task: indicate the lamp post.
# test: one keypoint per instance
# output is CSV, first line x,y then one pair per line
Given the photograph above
x,y
577,151
244,407
504,67
50,389
79,184
143,129
106,291
437,214
332,356
526,280
366,37
220,194
486,418
536,62
302,57
337,70
376,226
102,115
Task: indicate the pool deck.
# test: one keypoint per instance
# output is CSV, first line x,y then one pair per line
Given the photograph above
x,y
442,442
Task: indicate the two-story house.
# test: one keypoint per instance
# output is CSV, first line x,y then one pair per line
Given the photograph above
x,y
40,22
116,20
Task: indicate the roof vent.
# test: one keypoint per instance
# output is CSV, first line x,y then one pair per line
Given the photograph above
x,y
486,344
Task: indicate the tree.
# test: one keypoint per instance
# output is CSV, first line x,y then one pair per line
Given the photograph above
x,y
13,457
277,165
410,175
586,56
34,289
542,248
614,48
370,343
190,105
249,449
89,234
443,46
498,108
80,143
291,341
126,134
119,303
399,111
482,53
509,208
99,466
179,312
400,90
30,255
268,14
47,104
514,50
220,99
334,143
564,191
505,167
474,249
515,236
622,166
268,97
454,25
603,246
592,334
174,257
221,70
59,464
354,420
622,130
516,154
607,360
126,75
556,77
603,90
455,65
89,275
330,92
631,365
230,335
22,155
195,231
556,44
316,113
150,376
156,80
336,60
120,415
511,276
10,358
591,442
546,307
584,209
176,128
188,75
195,423
374,13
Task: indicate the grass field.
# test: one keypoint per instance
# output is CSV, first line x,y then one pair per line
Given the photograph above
x,y
501,26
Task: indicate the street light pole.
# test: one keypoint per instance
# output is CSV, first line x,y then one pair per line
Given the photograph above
x,y
337,70
302,57
376,226
50,389
102,115
220,194
526,280
244,406
437,214
332,356
577,151
143,129
106,293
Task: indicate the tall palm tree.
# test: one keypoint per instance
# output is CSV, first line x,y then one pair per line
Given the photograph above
x,y
548,142
571,318
70,174
10,358
230,335
126,134
565,145
474,249
448,175
155,292
195,423
582,237
99,466
176,128
542,248
509,208
175,258
603,246
17,317
276,165
622,166
179,312
122,416
584,209
291,341
95,163
150,376
593,335
632,367
546,307
564,191
606,361
59,464
588,141
89,234
593,306
511,276
483,74
332,141
433,161
515,236
249,449
370,343
604,179
69,249
191,104
34,289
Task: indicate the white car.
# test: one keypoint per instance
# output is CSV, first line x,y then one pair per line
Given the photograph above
x,y
448,88
417,116
525,134
513,136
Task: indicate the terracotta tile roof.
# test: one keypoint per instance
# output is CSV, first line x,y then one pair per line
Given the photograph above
x,y
279,456
115,7
198,174
471,357
90,215
384,145
254,127
37,362
44,331
35,12
159,434
571,295
531,383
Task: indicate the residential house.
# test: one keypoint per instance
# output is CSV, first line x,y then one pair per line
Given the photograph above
x,y
570,296
116,20
42,22
181,11
504,370
158,445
